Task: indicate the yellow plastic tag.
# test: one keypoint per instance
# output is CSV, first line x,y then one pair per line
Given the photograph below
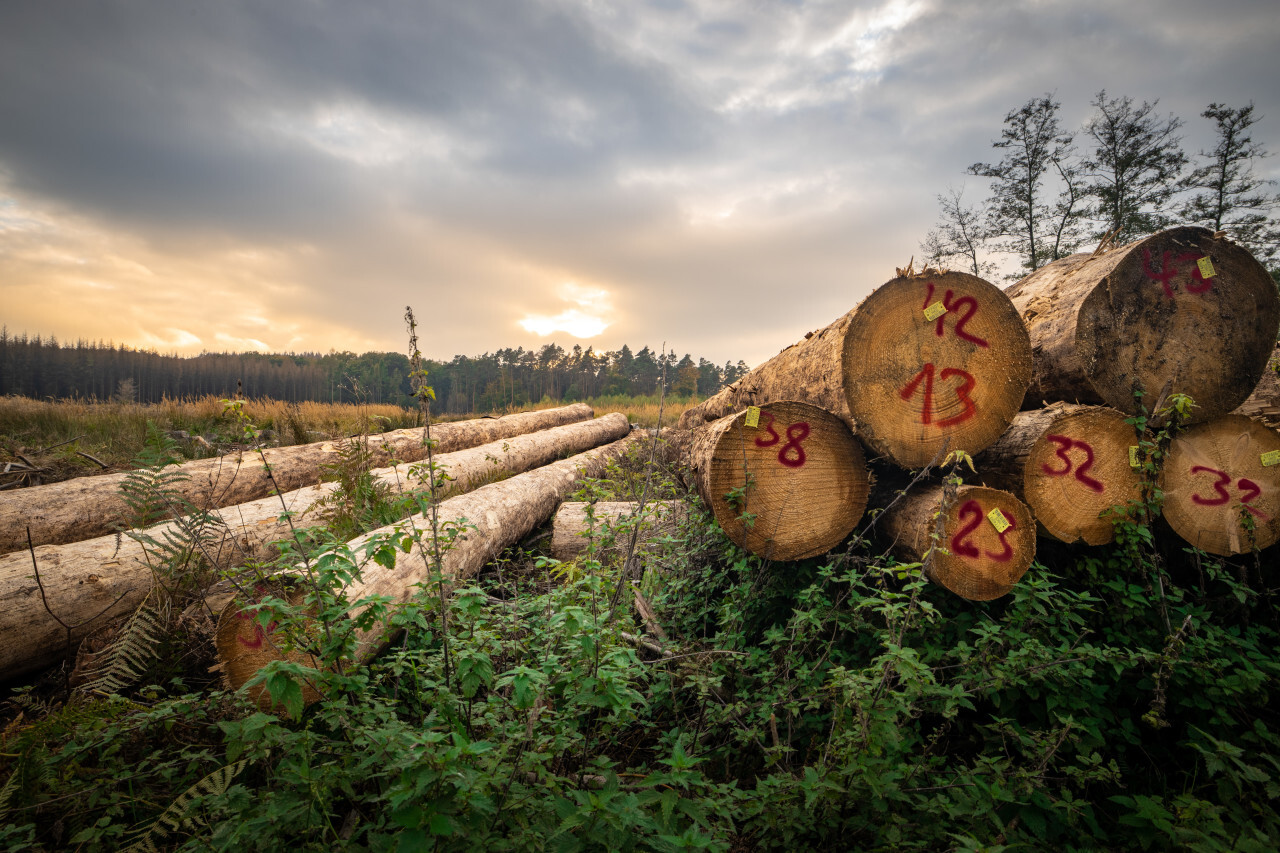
x,y
998,521
753,416
1133,456
935,311
1206,267
1271,457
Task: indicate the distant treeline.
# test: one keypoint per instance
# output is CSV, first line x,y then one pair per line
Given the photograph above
x,y
42,367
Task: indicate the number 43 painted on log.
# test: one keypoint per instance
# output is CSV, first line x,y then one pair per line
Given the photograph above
x,y
1249,491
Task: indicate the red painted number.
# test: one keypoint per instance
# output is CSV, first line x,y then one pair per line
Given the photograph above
x,y
259,636
1250,490
962,392
1169,271
971,307
1064,445
960,542
790,454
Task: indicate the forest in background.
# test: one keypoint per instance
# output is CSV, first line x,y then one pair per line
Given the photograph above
x,y
40,368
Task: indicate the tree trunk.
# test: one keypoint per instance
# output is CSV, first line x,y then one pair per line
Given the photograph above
x,y
1221,484
1146,318
91,582
1070,464
1264,403
491,518
612,526
972,558
789,487
86,507
926,362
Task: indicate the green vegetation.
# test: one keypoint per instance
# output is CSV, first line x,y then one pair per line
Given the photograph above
x,y
1119,698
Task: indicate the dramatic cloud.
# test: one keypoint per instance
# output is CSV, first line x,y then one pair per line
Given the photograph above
x,y
721,177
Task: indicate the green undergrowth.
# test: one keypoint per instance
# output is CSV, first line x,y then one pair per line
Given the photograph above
x,y
1119,698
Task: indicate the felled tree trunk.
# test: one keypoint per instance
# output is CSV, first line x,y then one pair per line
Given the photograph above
x,y
1264,403
610,525
976,553
86,507
790,485
1071,465
91,582
491,518
1179,312
930,361
1221,484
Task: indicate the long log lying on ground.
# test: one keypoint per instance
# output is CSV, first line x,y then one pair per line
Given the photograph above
x,y
927,361
1222,485
610,524
785,481
1264,403
1179,312
1070,464
985,538
495,516
86,507
89,583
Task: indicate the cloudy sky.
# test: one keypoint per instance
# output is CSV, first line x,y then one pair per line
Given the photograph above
x,y
720,175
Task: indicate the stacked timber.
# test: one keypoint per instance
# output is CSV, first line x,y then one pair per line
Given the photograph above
x,y
611,525
785,480
87,583
1180,312
1264,403
928,363
92,506
1071,465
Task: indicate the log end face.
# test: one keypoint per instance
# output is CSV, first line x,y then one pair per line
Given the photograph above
x,y
988,543
244,646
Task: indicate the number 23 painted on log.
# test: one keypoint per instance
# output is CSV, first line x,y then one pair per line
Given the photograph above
x,y
790,454
960,542
1065,444
1250,489
962,392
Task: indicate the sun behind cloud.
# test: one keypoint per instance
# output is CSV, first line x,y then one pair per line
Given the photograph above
x,y
585,321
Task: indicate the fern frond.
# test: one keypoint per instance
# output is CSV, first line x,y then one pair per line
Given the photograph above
x,y
133,651
8,790
181,815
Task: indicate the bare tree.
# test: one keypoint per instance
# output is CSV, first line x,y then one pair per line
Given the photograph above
x,y
963,233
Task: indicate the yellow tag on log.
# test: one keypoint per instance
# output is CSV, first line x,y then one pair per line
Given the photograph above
x,y
1133,456
935,311
753,416
1206,267
1271,457
998,521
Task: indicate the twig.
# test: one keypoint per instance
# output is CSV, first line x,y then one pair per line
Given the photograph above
x,y
93,458
59,444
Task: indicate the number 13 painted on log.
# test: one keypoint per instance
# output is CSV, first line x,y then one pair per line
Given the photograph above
x,y
962,392
1250,489
791,454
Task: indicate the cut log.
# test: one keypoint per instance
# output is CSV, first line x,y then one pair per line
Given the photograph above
x,y
1264,403
1071,465
973,558
86,507
83,579
1221,484
791,485
1179,312
926,362
493,517
612,526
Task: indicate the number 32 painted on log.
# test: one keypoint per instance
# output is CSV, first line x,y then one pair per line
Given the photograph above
x,y
960,542
1065,444
791,454
962,392
1249,489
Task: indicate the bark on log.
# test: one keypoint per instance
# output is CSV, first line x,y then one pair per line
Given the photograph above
x,y
1146,318
612,526
1221,488
972,559
83,579
86,507
1264,403
925,362
1070,464
495,517
792,486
